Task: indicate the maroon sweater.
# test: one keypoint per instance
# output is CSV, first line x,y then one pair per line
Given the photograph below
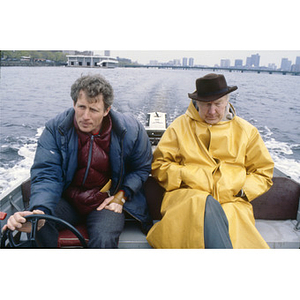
x,y
93,170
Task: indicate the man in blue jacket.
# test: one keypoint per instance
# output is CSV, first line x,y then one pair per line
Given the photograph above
x,y
90,163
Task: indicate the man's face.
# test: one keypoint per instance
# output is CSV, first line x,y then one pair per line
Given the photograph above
x,y
213,112
89,114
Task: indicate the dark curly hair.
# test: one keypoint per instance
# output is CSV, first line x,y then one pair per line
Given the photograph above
x,y
93,85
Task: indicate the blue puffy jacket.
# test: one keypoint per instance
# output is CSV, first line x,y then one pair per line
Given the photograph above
x,y
55,163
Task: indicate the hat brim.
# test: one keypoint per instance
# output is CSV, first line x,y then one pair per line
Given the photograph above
x,y
208,98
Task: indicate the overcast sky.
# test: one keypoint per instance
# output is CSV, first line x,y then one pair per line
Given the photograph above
x,y
180,29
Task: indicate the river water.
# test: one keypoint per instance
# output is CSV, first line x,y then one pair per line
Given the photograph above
x,y
32,95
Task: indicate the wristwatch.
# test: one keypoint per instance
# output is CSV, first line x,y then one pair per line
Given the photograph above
x,y
119,198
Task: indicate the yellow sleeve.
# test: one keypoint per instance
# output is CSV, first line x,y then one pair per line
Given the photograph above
x,y
259,166
166,161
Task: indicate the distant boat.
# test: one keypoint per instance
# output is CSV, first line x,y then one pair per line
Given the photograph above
x,y
108,63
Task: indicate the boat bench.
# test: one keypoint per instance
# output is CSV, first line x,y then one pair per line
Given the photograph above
x,y
277,214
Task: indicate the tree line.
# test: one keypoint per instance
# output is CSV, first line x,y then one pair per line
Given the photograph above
x,y
55,56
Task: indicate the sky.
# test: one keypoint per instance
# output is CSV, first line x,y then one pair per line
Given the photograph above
x,y
207,31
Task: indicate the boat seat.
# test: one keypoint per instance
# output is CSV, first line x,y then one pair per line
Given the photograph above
x,y
275,213
276,216
26,191
66,238
154,195
280,202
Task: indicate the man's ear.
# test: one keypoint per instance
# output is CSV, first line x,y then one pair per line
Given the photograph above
x,y
107,111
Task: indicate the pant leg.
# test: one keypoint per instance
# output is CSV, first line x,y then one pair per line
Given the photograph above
x,y
47,236
104,228
216,235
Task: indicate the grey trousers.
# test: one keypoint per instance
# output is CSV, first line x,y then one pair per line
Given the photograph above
x,y
104,227
216,234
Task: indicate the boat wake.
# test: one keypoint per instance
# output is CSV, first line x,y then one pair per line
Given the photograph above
x,y
280,153
11,175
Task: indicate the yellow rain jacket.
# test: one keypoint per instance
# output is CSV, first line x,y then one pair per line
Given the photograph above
x,y
193,160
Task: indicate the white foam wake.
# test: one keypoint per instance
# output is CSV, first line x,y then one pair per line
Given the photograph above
x,y
21,169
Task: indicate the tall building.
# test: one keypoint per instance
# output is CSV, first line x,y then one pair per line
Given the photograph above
x,y
238,63
184,61
176,62
225,63
272,66
253,61
191,62
153,63
248,62
296,66
285,64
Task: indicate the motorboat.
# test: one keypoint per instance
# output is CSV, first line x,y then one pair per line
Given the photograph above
x,y
277,212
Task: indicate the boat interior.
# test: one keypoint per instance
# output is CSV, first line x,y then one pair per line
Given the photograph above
x,y
277,215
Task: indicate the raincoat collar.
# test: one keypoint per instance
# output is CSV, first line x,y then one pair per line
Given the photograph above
x,y
193,113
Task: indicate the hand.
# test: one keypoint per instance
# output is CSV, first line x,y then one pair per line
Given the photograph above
x,y
106,204
18,222
241,194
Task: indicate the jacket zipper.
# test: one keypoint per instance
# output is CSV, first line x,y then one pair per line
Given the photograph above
x,y
121,172
89,160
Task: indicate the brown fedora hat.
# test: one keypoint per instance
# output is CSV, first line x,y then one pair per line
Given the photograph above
x,y
211,87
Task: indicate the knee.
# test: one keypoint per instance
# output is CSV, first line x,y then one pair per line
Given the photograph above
x,y
213,209
212,205
104,228
104,240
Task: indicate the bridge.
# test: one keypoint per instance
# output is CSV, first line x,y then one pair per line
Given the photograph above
x,y
214,69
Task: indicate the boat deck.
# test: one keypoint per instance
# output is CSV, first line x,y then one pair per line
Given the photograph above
x,y
132,237
277,234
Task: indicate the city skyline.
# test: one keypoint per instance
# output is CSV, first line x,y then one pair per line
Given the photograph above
x,y
205,57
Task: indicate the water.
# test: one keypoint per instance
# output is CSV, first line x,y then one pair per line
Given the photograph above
x,y
32,95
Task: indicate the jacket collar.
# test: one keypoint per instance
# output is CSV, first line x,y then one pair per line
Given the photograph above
x,y
67,122
193,113
118,124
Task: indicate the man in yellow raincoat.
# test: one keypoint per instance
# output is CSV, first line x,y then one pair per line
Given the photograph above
x,y
212,164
